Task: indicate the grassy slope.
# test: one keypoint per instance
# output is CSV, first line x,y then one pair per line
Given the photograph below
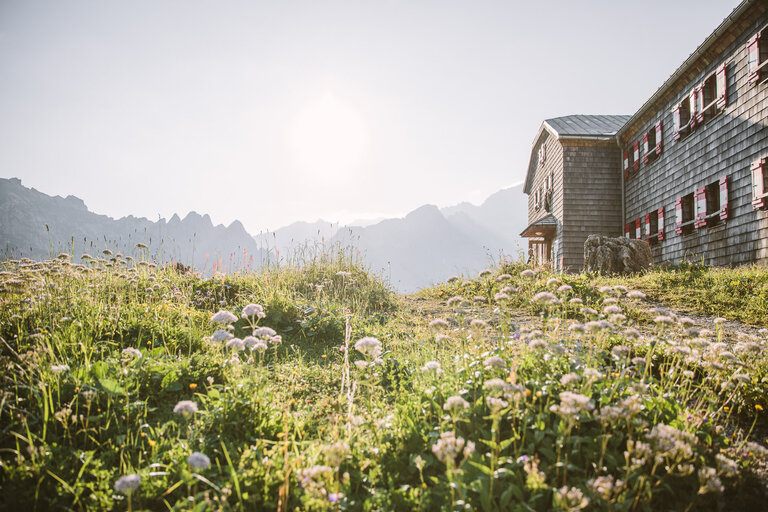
x,y
286,429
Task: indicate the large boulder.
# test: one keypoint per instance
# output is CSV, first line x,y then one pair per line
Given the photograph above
x,y
620,255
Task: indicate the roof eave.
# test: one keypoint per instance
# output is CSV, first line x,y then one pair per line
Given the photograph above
x,y
709,41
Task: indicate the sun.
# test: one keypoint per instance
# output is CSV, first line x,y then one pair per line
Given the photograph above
x,y
328,139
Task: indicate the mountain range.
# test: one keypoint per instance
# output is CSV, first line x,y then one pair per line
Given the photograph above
x,y
426,246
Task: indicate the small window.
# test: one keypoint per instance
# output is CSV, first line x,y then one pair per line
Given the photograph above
x,y
652,223
710,96
685,214
712,193
683,117
757,57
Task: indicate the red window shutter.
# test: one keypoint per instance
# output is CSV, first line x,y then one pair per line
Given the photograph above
x,y
636,153
661,223
638,229
679,215
676,120
658,137
626,163
753,58
758,188
645,148
721,85
647,226
692,99
724,197
627,229
701,207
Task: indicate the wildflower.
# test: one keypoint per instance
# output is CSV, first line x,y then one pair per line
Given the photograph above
x,y
605,487
537,343
610,300
588,311
264,332
572,404
509,289
456,300
480,324
709,481
369,347
500,296
333,497
480,298
758,407
439,323
719,320
726,466
313,479
576,300
565,289
235,344
497,386
432,366
441,337
494,362
605,289
741,377
612,309
685,321
548,297
617,318
59,368
336,453
221,335
688,374
127,484
535,479
131,352
453,279
671,443
576,327
198,461
253,310
631,332
570,499
484,273
620,288
664,319
635,294
276,339
449,447
503,277
455,404
728,356
185,408
592,374
223,317
552,282
569,378
495,404
527,273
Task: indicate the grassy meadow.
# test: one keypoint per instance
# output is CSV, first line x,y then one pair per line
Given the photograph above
x,y
314,387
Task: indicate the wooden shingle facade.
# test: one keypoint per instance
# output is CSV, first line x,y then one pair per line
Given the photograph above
x,y
685,172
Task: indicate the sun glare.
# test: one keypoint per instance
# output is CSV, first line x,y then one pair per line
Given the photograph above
x,y
329,139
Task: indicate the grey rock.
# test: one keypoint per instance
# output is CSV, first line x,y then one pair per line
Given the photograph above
x,y
619,255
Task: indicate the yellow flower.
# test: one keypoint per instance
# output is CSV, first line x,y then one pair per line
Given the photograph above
x,y
527,392
726,408
152,442
758,407
192,386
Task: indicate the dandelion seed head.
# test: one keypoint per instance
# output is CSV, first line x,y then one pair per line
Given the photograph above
x,y
127,484
198,461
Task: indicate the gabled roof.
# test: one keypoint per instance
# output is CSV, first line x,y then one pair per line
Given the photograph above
x,y
586,126
574,127
545,225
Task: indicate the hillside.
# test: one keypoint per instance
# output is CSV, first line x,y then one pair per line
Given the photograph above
x,y
316,388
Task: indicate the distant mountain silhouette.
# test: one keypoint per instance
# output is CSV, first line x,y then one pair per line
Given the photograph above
x,y
38,226
426,246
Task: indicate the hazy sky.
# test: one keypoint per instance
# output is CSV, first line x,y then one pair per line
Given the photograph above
x,y
273,112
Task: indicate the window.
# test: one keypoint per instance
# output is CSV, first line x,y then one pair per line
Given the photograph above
x,y
759,184
757,57
710,96
639,229
537,199
684,214
625,163
684,115
654,226
542,154
628,230
712,193
632,158
652,143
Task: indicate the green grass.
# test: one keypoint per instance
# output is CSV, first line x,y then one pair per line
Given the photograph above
x,y
607,419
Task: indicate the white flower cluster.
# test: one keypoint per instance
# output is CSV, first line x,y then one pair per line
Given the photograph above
x,y
253,310
671,444
606,487
336,453
572,404
198,461
127,484
455,404
570,499
449,447
432,366
369,347
223,317
313,479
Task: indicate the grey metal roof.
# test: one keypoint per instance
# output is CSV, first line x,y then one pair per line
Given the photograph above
x,y
583,125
